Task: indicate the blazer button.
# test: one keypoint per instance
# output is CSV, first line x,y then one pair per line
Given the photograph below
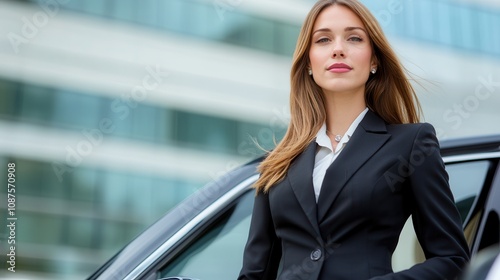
x,y
316,255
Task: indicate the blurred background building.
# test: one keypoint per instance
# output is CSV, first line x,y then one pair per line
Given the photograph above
x,y
114,111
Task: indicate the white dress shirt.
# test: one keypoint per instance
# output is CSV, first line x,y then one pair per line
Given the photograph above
x,y
325,155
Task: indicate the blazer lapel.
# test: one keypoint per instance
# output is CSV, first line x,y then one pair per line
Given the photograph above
x,y
369,136
300,178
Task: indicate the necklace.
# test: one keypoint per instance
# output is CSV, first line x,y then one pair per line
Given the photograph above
x,y
336,137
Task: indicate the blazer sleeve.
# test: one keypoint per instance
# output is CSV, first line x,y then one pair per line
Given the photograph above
x,y
436,219
262,253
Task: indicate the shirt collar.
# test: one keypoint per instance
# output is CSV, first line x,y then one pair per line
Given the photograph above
x,y
323,140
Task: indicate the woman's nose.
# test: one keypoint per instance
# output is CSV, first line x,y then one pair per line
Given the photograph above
x,y
338,51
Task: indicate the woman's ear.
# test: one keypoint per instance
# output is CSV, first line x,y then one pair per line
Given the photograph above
x,y
309,69
374,62
374,65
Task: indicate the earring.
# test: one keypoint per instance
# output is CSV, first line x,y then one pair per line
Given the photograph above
x,y
374,70
310,71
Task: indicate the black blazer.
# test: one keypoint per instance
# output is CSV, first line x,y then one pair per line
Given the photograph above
x,y
384,174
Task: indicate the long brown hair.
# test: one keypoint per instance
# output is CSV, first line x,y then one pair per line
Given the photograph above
x,y
388,93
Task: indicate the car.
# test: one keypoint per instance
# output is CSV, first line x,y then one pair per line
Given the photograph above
x,y
485,265
204,236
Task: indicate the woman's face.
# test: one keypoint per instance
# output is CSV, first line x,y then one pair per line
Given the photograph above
x,y
340,53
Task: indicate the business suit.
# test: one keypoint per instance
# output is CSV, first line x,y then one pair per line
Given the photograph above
x,y
384,174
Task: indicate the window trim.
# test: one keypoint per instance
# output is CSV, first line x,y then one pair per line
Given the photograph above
x,y
471,157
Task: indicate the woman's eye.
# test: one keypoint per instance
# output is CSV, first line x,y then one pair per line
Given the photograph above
x,y
355,39
322,40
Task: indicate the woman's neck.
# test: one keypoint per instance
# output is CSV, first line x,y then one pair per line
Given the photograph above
x,y
341,110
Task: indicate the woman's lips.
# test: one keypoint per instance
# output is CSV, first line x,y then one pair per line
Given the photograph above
x,y
339,68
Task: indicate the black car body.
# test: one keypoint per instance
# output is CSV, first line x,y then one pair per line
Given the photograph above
x,y
204,236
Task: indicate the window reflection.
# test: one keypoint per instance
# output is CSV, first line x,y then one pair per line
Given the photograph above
x,y
203,259
466,182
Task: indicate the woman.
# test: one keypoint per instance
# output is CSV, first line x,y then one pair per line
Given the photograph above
x,y
354,164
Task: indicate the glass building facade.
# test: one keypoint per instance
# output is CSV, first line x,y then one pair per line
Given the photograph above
x,y
454,24
70,226
78,111
94,211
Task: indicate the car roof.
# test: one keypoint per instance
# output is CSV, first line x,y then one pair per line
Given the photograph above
x,y
468,145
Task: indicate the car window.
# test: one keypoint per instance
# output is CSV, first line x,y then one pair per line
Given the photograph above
x,y
218,252
466,182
